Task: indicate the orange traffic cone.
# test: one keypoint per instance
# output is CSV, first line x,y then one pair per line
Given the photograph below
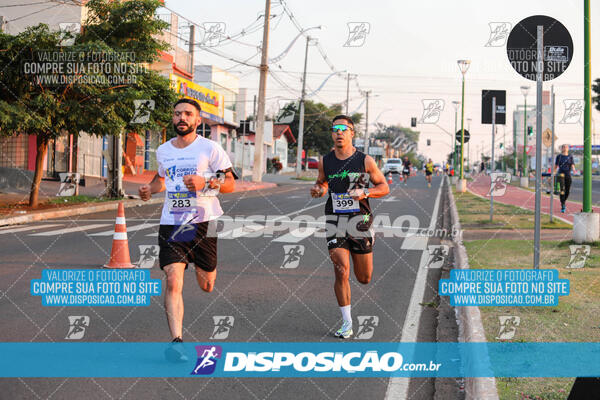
x,y
401,178
390,179
119,255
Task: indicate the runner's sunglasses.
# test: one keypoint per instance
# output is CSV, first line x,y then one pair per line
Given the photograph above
x,y
340,128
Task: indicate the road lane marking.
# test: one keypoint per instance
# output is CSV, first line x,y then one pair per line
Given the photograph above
x,y
129,229
398,387
415,242
70,230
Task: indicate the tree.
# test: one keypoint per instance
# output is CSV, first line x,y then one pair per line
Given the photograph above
x,y
34,104
317,125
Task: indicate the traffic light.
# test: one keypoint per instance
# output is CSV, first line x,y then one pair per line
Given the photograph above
x,y
529,130
428,142
413,122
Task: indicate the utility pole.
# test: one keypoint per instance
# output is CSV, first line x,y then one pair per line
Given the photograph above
x,y
347,92
515,161
552,172
301,119
367,125
538,146
493,160
262,88
587,112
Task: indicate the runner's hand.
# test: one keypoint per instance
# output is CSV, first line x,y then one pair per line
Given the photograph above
x,y
357,194
194,183
214,183
145,192
316,191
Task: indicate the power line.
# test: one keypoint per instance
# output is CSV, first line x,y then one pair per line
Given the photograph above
x,y
35,12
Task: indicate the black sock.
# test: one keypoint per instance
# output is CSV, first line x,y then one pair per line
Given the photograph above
x,y
177,340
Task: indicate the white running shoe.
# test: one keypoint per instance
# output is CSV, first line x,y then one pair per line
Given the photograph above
x,y
345,331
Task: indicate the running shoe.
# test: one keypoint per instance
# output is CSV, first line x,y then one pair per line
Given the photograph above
x,y
345,331
175,352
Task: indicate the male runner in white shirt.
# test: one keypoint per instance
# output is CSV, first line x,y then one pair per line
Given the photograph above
x,y
192,170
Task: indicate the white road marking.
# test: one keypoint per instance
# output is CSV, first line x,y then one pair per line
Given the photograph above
x,y
70,230
398,387
415,242
129,229
27,228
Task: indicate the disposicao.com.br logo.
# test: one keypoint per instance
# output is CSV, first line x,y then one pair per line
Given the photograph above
x,y
368,361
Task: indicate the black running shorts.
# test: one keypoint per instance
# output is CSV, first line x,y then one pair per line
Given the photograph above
x,y
187,244
356,245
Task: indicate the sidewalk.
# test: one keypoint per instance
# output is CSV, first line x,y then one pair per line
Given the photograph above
x,y
14,209
289,178
516,196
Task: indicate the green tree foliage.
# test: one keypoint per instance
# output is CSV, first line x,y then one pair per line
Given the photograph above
x,y
317,125
31,106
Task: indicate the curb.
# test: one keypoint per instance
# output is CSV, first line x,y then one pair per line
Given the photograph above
x,y
76,210
105,206
566,221
470,327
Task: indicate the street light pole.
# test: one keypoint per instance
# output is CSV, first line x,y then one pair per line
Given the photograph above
x,y
586,224
525,174
463,65
587,113
455,103
469,145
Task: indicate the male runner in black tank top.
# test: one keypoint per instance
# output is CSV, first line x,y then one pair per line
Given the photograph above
x,y
345,173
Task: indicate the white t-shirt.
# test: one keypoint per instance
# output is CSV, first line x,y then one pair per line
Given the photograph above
x,y
201,157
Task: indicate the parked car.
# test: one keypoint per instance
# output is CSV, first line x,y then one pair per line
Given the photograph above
x,y
393,165
313,163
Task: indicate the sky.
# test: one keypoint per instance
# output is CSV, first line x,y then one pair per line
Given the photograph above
x,y
408,55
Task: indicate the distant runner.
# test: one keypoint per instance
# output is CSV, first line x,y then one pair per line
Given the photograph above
x,y
345,173
192,170
429,172
563,166
406,165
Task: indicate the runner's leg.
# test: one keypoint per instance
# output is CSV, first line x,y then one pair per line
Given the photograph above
x,y
206,280
567,186
174,297
341,267
363,267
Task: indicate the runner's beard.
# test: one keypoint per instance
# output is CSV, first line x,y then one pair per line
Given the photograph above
x,y
185,132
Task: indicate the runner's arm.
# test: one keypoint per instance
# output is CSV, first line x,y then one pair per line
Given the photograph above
x,y
380,187
321,186
229,185
157,185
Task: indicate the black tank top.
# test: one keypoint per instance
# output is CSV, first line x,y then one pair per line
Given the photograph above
x,y
338,174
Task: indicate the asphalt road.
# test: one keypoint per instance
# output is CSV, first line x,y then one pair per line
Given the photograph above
x,y
268,303
577,190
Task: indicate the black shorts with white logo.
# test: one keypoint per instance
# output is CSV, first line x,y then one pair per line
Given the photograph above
x,y
356,245
187,244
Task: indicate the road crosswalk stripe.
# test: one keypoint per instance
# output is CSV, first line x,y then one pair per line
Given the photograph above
x,y
28,228
70,230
